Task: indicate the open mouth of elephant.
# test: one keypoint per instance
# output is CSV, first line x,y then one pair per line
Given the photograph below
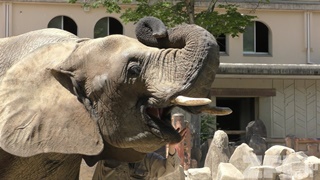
x,y
159,122
159,119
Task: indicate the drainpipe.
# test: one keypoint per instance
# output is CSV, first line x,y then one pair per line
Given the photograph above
x,y
308,29
7,19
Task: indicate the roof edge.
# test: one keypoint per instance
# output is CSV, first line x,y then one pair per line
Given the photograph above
x,y
269,69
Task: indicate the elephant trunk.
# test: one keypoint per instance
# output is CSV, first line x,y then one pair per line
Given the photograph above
x,y
188,63
198,59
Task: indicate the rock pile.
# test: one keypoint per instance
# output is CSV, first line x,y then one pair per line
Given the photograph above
x,y
278,162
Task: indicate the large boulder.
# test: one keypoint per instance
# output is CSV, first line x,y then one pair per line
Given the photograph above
x,y
299,166
260,173
204,148
243,158
255,127
297,170
178,174
199,174
227,171
275,155
196,155
313,163
299,157
258,144
218,152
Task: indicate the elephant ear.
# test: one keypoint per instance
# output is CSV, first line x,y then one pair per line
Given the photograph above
x,y
38,113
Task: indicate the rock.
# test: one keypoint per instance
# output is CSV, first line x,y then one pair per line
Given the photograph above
x,y
194,163
258,144
275,154
232,147
260,173
299,167
204,147
227,171
297,170
196,153
243,158
218,152
312,160
295,157
176,175
313,163
255,127
285,177
199,174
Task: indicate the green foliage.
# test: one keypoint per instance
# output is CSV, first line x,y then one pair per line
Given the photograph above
x,y
170,13
208,127
232,22
110,5
175,12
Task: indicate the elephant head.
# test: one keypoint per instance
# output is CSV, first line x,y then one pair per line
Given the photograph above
x,y
111,94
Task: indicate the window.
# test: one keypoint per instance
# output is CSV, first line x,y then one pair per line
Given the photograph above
x,y
256,39
221,40
107,26
65,23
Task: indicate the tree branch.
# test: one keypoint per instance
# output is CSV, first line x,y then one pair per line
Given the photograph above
x,y
190,10
212,5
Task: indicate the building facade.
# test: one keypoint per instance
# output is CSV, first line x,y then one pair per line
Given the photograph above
x,y
277,80
18,17
270,72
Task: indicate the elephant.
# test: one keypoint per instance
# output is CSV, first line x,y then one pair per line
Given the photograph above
x,y
64,98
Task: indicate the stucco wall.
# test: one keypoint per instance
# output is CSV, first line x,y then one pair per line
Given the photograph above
x,y
32,16
287,39
287,30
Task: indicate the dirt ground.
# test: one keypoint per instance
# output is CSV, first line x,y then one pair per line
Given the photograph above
x,y
86,172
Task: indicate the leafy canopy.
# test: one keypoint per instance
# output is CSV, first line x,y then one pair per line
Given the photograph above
x,y
173,12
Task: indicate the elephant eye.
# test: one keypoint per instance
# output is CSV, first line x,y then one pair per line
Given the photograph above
x,y
134,70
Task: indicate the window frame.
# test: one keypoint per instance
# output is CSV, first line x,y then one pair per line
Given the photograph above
x,y
61,18
254,52
107,21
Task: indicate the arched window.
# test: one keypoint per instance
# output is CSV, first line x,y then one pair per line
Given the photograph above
x,y
107,26
256,39
65,23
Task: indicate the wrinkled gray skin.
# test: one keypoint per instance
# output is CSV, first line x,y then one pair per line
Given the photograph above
x,y
63,98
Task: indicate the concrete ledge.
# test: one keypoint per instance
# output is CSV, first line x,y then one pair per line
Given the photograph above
x,y
269,69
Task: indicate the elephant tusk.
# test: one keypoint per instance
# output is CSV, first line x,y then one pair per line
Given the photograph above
x,y
189,101
218,111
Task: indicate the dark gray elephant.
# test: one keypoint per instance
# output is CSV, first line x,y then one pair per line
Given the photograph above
x,y
63,98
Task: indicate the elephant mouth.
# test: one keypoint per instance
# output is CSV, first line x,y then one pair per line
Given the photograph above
x,y
159,119
159,122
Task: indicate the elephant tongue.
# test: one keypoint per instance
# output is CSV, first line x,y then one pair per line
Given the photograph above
x,y
155,112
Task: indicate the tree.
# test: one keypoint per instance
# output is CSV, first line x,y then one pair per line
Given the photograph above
x,y
208,126
173,12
